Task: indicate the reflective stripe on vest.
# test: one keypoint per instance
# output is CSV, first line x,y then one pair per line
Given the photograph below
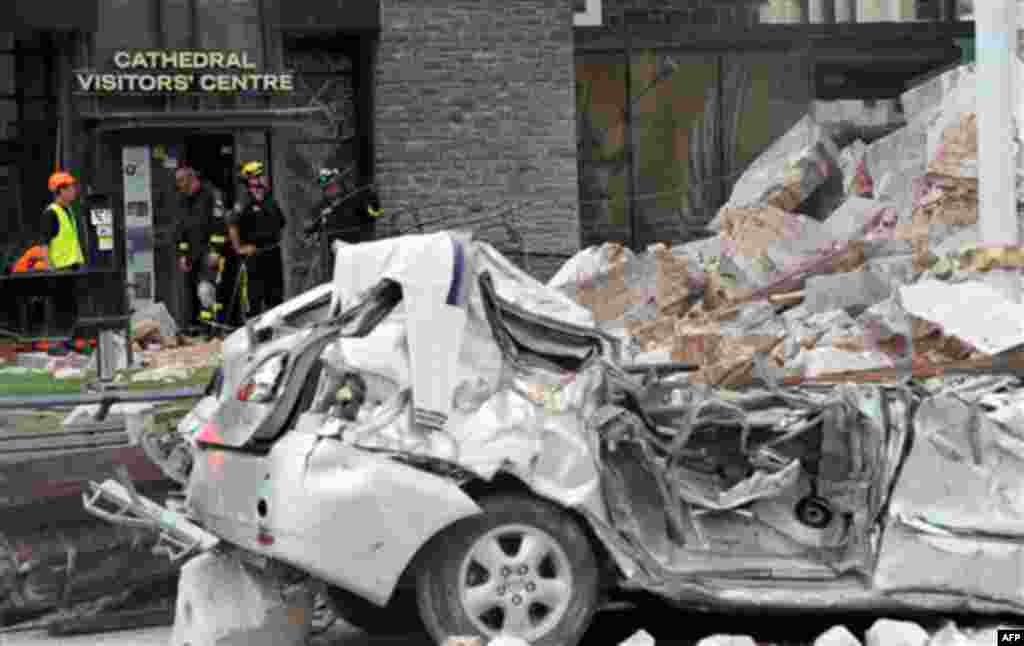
x,y
65,249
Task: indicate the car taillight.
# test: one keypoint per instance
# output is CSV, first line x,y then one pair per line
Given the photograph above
x,y
262,385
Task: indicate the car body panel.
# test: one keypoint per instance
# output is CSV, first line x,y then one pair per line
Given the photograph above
x,y
351,518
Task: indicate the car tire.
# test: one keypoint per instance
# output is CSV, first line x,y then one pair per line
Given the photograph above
x,y
399,617
524,567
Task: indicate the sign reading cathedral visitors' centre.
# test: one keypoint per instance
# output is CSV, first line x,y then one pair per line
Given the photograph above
x,y
182,72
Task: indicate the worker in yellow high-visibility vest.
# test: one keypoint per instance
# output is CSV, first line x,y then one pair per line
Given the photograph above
x,y
62,240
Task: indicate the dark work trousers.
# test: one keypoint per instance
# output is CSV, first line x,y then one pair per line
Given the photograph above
x,y
229,293
65,305
266,281
192,304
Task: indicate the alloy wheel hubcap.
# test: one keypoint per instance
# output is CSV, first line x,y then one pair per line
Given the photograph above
x,y
515,580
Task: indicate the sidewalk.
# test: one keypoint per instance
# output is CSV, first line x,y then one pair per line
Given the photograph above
x,y
145,637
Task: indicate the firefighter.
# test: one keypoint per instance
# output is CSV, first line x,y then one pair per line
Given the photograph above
x,y
255,229
59,236
201,240
345,212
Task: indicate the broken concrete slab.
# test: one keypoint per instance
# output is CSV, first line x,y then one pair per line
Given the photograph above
x,y
856,113
788,172
837,636
156,313
727,640
222,602
850,219
639,638
824,360
958,309
925,98
853,290
889,632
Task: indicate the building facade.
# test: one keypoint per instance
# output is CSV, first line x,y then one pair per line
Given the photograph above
x,y
545,124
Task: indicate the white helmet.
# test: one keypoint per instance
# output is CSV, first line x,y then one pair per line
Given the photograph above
x,y
207,294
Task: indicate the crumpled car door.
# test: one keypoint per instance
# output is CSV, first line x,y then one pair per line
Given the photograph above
x,y
956,521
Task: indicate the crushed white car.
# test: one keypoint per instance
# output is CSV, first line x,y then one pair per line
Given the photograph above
x,y
436,428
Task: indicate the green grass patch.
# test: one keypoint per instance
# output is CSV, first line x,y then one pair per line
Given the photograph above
x,y
18,382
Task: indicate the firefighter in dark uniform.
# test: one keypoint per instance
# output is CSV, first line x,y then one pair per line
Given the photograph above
x,y
201,239
255,229
346,212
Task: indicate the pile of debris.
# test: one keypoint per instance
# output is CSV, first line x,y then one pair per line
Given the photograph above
x,y
824,261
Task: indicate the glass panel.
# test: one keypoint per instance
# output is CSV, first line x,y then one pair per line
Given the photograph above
x,y
776,97
35,77
600,102
678,151
8,119
782,11
886,11
7,81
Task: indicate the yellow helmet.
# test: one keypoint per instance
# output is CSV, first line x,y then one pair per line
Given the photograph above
x,y
252,169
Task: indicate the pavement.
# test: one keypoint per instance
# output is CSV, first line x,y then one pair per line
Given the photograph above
x,y
671,627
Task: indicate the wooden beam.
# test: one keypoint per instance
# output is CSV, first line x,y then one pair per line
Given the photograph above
x,y
908,35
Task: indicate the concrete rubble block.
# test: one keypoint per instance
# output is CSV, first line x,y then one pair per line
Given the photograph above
x,y
222,602
639,638
767,230
858,289
896,270
468,641
950,635
851,218
824,360
506,640
588,264
837,636
156,313
856,113
789,171
727,640
889,632
956,308
927,97
895,162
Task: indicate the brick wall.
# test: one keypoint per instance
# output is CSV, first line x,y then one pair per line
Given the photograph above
x,y
475,110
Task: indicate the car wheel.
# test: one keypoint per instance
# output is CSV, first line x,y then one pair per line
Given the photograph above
x,y
399,617
523,568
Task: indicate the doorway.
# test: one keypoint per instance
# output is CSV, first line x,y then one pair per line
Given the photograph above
x,y
213,156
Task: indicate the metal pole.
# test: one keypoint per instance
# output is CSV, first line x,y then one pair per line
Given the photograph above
x,y
630,144
996,48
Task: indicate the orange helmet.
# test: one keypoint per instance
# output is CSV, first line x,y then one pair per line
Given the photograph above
x,y
59,180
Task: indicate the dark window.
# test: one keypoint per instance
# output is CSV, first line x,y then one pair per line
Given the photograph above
x,y
8,119
7,84
35,75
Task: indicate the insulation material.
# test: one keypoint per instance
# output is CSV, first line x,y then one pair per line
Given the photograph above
x,y
753,232
956,154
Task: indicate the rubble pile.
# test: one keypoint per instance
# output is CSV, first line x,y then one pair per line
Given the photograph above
x,y
815,252
883,632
